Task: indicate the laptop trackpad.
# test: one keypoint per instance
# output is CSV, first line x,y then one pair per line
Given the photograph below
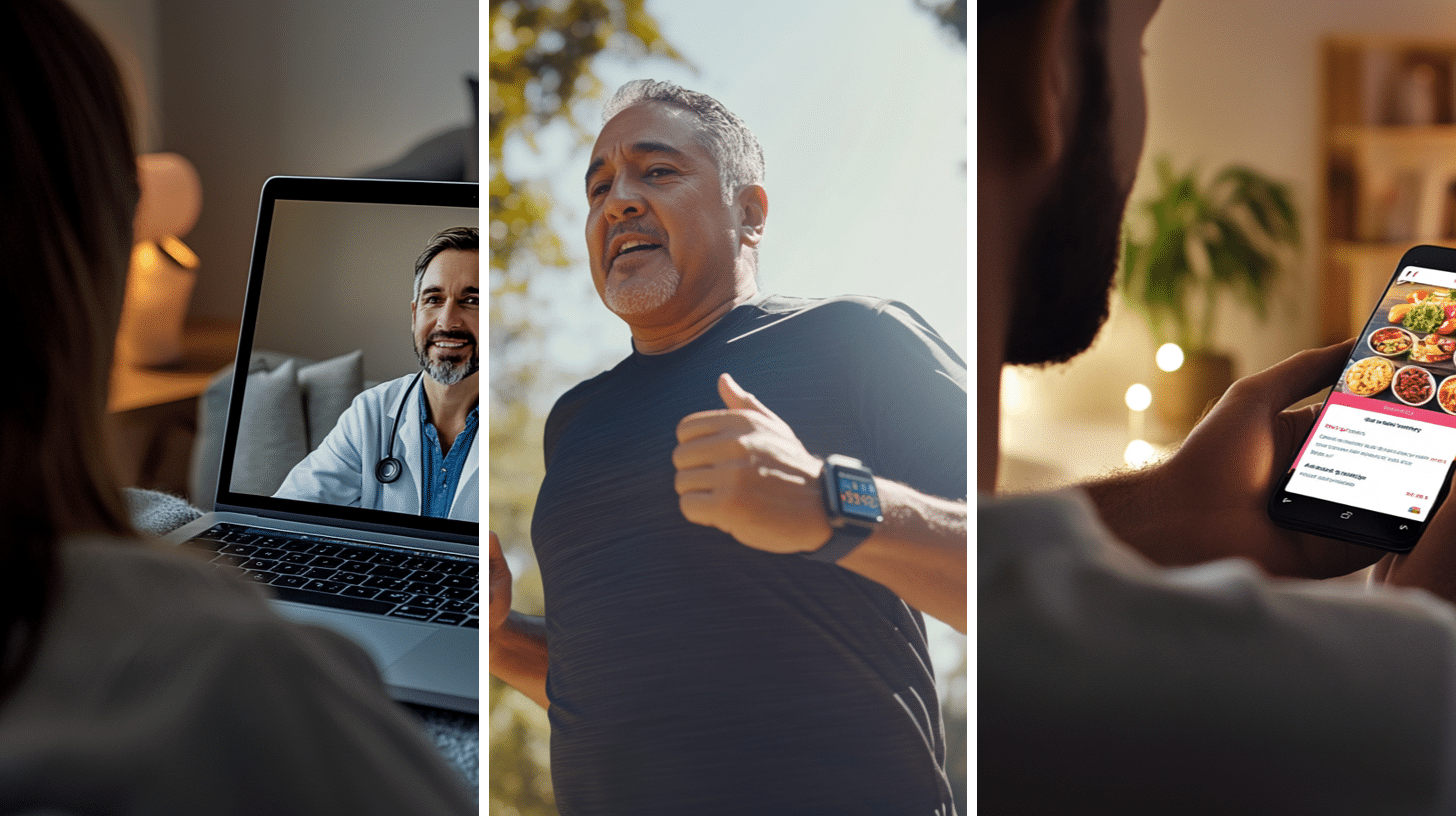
x,y
448,662
385,640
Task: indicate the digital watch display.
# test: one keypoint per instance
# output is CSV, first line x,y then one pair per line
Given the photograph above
x,y
858,499
852,504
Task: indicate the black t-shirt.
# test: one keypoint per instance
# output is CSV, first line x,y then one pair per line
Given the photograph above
x,y
690,674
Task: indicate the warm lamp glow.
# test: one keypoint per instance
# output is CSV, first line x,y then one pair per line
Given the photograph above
x,y
171,196
1013,391
163,269
178,252
1169,357
1139,452
1138,397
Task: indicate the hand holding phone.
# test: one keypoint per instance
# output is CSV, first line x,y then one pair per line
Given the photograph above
x,y
1208,501
1378,461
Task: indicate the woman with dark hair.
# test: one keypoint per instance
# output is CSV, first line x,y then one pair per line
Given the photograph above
x,y
132,678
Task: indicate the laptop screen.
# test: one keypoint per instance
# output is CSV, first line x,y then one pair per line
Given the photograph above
x,y
355,399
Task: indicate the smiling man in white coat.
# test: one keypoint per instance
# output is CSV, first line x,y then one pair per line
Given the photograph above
x,y
408,445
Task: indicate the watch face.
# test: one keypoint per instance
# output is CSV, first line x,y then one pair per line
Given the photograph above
x,y
857,496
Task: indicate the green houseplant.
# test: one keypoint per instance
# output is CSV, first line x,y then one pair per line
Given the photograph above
x,y
1191,245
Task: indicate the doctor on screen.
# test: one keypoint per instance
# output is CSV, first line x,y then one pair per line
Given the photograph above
x,y
408,445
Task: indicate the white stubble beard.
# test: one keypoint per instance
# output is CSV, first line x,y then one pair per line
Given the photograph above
x,y
637,294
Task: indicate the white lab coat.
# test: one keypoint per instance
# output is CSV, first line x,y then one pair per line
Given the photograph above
x,y
341,470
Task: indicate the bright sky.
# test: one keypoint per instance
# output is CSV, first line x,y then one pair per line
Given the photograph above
x,y
861,111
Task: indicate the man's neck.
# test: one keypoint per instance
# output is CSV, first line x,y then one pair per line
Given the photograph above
x,y
450,405
652,340
997,226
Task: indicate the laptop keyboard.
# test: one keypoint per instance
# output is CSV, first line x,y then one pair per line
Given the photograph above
x,y
351,575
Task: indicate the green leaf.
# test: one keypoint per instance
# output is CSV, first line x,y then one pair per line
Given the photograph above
x,y
1243,222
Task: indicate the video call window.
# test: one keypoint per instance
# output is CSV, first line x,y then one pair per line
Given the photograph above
x,y
333,329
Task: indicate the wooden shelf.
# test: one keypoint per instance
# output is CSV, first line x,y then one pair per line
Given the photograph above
x,y
208,345
1395,136
1388,153
1362,250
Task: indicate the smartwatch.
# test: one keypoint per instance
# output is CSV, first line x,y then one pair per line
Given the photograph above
x,y
852,504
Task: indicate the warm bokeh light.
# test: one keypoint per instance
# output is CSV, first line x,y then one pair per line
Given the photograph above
x,y
1169,357
1138,397
178,252
1139,452
1013,391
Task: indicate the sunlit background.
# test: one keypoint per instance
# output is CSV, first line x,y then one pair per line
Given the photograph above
x,y
864,135
861,112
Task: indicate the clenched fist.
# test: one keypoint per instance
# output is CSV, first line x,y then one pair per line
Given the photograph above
x,y
742,470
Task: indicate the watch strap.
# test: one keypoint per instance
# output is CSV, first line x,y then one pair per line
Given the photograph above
x,y
845,533
841,542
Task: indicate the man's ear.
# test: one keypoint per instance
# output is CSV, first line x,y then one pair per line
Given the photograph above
x,y
1026,84
752,203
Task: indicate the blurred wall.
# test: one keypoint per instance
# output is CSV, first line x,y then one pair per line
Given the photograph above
x,y
129,29
299,87
1234,80
340,277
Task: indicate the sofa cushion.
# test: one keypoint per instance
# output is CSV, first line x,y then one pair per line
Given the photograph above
x,y
272,435
328,388
285,417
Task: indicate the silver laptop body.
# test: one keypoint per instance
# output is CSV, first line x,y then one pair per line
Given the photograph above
x,y
331,277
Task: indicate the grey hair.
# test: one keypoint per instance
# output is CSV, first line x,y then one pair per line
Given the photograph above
x,y
731,144
466,239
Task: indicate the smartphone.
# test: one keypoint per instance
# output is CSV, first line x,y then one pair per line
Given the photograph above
x,y
1378,461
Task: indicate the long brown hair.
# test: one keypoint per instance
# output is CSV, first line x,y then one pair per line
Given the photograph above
x,y
68,191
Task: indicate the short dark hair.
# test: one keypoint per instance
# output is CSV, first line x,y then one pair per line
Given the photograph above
x,y
466,239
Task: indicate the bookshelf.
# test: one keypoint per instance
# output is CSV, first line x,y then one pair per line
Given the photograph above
x,y
1388,159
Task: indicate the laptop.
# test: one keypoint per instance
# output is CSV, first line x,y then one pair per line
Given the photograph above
x,y
329,290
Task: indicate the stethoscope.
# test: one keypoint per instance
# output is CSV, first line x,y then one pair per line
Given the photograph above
x,y
389,468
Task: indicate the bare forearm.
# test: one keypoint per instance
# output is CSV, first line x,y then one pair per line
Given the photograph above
x,y
518,655
918,552
1133,508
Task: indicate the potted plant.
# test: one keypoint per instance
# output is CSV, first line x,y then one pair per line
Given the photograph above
x,y
1187,248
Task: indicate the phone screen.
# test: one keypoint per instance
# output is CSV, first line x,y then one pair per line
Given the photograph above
x,y
1379,459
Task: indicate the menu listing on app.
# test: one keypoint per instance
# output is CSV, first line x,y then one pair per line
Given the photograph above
x,y
1372,455
1376,454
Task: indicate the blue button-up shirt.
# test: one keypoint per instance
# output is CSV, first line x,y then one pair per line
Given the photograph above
x,y
442,471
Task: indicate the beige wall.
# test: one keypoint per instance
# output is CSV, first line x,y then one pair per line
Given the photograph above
x,y
300,87
340,277
129,29
248,90
1234,80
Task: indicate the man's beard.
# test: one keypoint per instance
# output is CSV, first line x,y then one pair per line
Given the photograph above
x,y
638,294
448,371
1064,270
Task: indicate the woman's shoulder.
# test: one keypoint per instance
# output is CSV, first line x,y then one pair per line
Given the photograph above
x,y
146,579
153,659
120,591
